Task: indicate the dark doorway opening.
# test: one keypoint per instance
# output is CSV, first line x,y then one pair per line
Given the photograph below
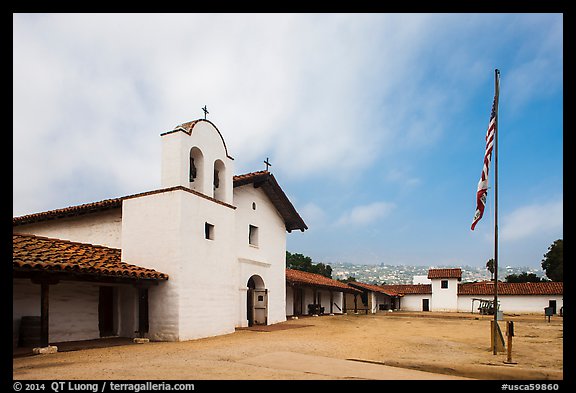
x,y
297,300
250,302
552,303
106,312
425,304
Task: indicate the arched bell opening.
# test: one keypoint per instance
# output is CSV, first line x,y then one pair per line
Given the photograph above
x,y
196,170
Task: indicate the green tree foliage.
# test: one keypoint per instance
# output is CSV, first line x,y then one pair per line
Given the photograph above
x,y
304,263
524,277
553,262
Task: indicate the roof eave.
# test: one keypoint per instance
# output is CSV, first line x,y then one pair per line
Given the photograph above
x,y
267,182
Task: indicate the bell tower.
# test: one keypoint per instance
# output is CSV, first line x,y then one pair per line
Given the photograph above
x,y
194,155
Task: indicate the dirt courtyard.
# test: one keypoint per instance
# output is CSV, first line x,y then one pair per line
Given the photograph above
x,y
449,344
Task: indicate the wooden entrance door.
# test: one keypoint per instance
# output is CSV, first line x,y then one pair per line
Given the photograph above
x,y
425,304
106,311
260,303
297,300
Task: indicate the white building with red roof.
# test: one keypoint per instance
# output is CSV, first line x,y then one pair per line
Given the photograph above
x,y
446,292
198,257
313,294
444,289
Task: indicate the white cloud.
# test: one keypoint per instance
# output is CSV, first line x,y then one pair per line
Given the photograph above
x,y
323,95
402,177
533,220
314,216
366,214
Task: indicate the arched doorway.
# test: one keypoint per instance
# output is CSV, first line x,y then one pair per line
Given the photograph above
x,y
256,301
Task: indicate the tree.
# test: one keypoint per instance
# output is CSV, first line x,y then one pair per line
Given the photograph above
x,y
490,267
304,263
523,277
322,269
298,262
553,262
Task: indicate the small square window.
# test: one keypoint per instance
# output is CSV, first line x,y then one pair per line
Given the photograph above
x,y
209,231
444,284
253,235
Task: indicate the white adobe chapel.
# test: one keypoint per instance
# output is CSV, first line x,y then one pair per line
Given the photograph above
x,y
198,257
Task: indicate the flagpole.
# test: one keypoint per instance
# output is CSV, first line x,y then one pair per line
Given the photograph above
x,y
496,95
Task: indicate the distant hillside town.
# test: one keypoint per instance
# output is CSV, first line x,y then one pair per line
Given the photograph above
x,y
407,274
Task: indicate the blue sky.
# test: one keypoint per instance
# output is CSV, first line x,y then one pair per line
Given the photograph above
x,y
374,123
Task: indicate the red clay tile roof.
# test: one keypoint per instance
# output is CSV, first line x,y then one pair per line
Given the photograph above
x,y
252,177
445,273
92,207
68,211
274,192
298,277
263,178
485,288
41,254
409,289
374,288
512,288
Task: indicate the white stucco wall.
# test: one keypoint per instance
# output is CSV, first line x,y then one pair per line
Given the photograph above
x,y
73,309
308,298
413,302
508,303
100,228
338,307
513,303
151,238
25,302
165,232
444,299
381,299
325,300
267,259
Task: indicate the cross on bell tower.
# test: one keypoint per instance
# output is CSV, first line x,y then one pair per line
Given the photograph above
x,y
205,111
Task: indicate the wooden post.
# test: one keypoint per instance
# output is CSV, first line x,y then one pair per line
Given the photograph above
x,y
355,303
314,295
510,334
331,303
143,324
44,314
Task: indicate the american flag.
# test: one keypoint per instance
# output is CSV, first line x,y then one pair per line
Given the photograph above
x,y
483,183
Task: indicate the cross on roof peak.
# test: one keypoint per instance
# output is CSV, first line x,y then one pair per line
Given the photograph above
x,y
267,162
205,111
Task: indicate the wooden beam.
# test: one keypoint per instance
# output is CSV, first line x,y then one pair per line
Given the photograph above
x,y
38,277
44,314
143,321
